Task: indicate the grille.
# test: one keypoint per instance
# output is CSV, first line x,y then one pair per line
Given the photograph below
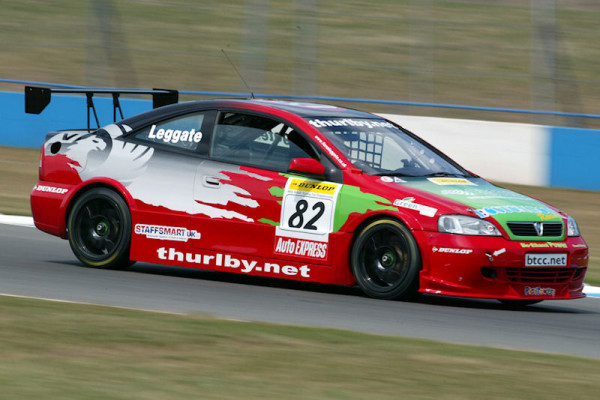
x,y
548,229
540,275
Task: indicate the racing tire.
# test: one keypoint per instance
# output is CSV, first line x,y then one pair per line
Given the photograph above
x,y
386,261
99,229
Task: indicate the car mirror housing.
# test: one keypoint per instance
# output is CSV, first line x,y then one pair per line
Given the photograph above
x,y
306,166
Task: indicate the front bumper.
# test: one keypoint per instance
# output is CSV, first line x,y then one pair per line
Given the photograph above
x,y
494,267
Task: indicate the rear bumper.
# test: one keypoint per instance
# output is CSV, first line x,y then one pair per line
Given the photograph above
x,y
493,267
48,204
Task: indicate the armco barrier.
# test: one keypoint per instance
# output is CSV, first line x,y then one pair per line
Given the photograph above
x,y
516,153
506,152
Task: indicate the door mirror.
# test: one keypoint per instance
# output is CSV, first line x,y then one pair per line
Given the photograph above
x,y
306,166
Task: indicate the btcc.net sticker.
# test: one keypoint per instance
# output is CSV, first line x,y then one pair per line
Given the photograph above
x,y
545,260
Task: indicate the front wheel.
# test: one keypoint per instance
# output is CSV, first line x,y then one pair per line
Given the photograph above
x,y
386,261
99,229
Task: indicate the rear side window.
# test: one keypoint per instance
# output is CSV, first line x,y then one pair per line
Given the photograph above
x,y
257,141
183,133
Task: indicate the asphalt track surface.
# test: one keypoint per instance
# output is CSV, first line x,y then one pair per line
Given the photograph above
x,y
34,264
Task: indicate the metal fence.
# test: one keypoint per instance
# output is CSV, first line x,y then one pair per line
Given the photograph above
x,y
530,55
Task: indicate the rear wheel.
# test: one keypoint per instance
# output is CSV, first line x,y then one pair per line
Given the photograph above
x,y
386,260
99,229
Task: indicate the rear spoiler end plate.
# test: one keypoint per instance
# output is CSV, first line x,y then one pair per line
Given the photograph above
x,y
37,98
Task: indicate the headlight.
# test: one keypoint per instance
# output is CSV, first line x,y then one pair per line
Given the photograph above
x,y
572,228
465,225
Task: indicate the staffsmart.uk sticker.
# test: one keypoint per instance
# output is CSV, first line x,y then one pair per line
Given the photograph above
x,y
176,233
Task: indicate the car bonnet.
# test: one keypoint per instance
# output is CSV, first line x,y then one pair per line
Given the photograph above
x,y
489,201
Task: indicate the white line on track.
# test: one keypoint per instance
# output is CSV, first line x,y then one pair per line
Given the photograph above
x,y
89,304
591,291
16,220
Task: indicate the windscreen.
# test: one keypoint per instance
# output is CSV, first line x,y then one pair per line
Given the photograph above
x,y
379,147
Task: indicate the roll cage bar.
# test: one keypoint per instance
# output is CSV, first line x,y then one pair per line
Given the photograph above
x,y
37,98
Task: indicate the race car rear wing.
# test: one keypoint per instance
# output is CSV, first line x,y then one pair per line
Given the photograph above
x,y
37,98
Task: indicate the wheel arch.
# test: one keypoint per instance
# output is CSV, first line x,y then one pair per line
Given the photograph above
x,y
113,185
374,217
106,242
355,225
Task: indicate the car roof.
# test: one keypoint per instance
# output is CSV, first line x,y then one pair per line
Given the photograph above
x,y
314,110
304,110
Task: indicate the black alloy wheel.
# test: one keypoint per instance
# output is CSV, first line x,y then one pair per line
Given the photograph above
x,y
386,260
99,229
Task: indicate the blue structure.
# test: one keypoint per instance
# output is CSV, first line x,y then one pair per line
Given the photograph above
x,y
574,159
19,129
573,162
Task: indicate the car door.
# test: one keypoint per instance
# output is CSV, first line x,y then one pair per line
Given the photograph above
x,y
163,158
251,205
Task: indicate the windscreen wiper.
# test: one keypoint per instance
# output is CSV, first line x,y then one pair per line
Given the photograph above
x,y
447,174
391,173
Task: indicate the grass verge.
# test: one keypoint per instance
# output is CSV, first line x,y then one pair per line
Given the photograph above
x,y
70,351
18,175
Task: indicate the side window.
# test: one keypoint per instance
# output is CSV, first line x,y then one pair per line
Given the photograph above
x,y
181,132
257,141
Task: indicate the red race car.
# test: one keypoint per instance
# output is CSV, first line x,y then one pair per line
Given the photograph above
x,y
299,191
